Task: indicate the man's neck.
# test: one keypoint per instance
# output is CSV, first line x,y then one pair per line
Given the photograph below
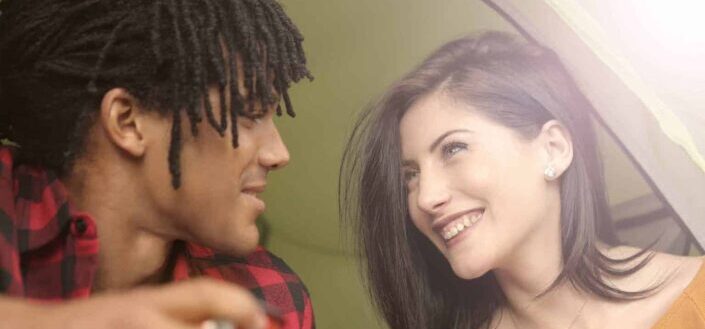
x,y
130,254
128,259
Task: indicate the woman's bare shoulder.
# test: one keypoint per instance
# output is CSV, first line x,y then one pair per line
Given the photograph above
x,y
685,268
672,272
668,274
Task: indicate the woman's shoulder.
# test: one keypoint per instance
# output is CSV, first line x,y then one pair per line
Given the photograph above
x,y
684,270
671,273
677,303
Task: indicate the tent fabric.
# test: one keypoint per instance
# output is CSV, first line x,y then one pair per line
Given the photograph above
x,y
662,131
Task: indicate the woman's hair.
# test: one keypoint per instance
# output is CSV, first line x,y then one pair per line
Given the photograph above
x,y
520,85
59,57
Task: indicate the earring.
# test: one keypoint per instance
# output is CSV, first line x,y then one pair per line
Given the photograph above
x,y
550,172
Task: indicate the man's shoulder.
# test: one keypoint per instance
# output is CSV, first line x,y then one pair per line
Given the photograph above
x,y
266,275
261,267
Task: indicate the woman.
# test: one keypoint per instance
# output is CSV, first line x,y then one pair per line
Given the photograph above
x,y
477,194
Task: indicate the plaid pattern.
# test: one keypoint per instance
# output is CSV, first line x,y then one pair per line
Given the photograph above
x,y
266,275
49,251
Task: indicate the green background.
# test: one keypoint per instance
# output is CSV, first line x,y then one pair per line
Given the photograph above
x,y
355,49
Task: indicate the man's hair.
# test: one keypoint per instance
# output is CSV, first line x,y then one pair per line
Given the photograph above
x,y
59,57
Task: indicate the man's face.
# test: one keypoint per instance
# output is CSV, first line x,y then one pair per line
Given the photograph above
x,y
218,201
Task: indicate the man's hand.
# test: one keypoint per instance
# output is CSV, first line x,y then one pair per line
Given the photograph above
x,y
183,305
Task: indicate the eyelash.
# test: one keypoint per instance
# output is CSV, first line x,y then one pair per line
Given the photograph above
x,y
250,122
447,150
409,175
451,148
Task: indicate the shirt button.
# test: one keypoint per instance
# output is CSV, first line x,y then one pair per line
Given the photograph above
x,y
81,226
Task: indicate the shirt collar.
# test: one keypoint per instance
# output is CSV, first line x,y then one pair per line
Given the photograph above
x,y
38,202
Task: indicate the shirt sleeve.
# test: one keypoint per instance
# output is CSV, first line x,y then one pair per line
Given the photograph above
x,y
10,273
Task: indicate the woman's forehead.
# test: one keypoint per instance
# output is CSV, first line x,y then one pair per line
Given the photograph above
x,y
435,112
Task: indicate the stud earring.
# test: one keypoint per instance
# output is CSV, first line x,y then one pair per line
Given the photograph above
x,y
549,172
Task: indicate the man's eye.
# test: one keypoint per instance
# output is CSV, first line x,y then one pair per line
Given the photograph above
x,y
250,122
452,148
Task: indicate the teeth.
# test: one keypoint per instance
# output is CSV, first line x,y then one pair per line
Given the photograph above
x,y
475,218
461,226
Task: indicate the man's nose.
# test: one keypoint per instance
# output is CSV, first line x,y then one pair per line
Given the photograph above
x,y
274,154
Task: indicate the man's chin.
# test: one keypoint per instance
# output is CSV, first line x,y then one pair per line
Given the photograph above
x,y
238,246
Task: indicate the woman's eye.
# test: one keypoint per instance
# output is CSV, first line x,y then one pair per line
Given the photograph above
x,y
452,148
410,175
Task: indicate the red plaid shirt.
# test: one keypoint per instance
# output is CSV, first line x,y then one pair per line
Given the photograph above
x,y
49,251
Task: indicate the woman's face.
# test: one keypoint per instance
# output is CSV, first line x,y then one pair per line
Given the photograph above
x,y
475,187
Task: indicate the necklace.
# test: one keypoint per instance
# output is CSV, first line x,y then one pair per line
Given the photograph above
x,y
580,311
575,319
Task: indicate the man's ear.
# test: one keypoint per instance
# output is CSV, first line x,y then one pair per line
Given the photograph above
x,y
558,145
121,119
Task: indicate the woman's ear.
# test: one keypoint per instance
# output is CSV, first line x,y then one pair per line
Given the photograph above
x,y
121,119
558,145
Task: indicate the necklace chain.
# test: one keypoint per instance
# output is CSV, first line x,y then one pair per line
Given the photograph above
x,y
577,316
575,319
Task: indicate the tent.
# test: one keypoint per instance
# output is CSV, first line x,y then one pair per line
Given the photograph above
x,y
640,62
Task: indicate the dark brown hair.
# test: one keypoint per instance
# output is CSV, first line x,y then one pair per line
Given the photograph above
x,y
520,85
59,57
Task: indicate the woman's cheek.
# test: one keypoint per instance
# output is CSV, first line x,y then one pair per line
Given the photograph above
x,y
473,177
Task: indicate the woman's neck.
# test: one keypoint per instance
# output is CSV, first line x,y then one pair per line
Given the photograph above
x,y
526,276
561,307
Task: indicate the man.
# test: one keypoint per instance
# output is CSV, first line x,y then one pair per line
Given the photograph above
x,y
142,135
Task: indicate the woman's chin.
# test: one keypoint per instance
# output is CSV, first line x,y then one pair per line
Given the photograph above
x,y
469,270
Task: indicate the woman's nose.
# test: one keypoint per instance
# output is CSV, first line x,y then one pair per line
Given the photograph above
x,y
433,194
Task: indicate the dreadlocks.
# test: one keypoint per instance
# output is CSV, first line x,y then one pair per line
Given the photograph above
x,y
59,57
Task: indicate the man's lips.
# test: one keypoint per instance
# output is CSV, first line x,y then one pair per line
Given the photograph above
x,y
253,191
254,188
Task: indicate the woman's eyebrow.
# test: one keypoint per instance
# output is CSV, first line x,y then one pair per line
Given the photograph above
x,y
444,135
408,163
